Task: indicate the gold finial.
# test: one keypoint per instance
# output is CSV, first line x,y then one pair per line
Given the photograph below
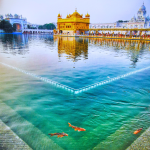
x,y
76,10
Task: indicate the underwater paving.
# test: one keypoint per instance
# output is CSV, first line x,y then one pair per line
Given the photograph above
x,y
9,140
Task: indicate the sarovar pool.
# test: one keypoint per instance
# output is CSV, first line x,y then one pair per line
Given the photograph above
x,y
100,85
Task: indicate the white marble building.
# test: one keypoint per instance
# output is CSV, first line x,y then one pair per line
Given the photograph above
x,y
33,25
21,23
141,21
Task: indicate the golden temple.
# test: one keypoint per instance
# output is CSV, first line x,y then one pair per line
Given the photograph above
x,y
73,24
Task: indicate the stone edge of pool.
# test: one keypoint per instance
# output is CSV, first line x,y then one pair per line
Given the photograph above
x,y
142,142
9,140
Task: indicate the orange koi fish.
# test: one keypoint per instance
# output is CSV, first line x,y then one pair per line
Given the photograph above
x,y
76,128
58,134
137,131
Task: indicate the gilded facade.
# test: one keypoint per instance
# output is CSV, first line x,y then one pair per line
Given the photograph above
x,y
73,24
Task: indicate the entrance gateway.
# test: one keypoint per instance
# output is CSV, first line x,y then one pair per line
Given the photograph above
x,y
21,23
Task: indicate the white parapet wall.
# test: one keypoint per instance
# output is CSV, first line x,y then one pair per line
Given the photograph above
x,y
37,31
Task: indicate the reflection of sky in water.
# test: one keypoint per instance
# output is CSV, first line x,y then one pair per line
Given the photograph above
x,y
63,58
74,49
105,111
14,43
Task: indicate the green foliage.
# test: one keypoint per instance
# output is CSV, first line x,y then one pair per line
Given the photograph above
x,y
120,20
49,26
6,26
14,27
28,26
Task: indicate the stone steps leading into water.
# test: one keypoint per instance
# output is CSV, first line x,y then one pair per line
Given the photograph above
x,y
123,136
142,142
27,130
9,140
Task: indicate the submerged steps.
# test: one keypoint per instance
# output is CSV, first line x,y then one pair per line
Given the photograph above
x,y
41,141
9,140
32,115
54,83
142,142
123,136
72,90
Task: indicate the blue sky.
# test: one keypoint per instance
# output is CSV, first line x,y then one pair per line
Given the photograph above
x,y
46,11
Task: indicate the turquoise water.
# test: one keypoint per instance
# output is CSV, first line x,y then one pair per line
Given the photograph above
x,y
110,113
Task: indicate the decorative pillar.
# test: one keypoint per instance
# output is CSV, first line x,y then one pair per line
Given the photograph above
x,y
140,32
96,32
130,34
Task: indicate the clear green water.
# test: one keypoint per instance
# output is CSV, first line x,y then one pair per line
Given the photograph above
x,y
109,113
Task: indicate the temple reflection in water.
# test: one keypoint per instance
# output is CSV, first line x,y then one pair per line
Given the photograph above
x,y
135,48
75,48
120,43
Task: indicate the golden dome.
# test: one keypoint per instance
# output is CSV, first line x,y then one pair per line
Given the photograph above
x,y
67,16
76,14
59,15
87,15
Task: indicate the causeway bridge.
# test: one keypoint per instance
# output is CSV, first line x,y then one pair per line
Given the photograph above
x,y
111,30
37,31
113,33
119,30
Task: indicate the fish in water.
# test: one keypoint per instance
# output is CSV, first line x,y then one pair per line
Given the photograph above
x,y
58,134
137,131
76,128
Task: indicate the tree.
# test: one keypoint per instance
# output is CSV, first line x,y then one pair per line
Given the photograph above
x,y
14,27
49,26
28,26
6,26
40,27
120,20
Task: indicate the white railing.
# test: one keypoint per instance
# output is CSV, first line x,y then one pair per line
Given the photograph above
x,y
37,30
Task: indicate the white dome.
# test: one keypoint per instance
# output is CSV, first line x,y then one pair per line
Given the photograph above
x,y
143,7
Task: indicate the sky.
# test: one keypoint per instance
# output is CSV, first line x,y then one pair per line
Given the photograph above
x,y
46,11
